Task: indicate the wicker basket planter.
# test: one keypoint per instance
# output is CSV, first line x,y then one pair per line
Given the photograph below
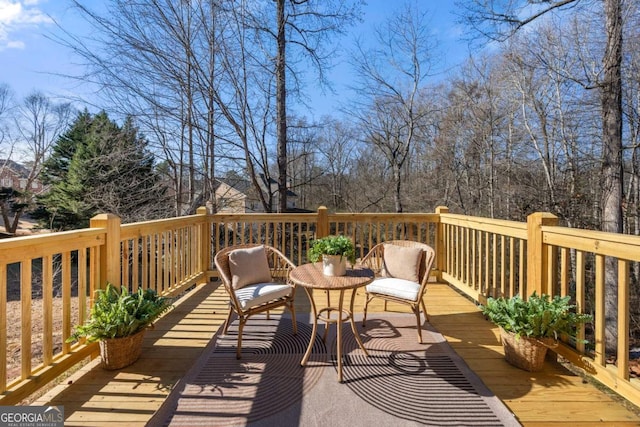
x,y
525,353
539,320
118,353
117,312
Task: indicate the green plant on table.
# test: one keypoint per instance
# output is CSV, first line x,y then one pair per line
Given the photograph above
x,y
117,313
536,317
332,245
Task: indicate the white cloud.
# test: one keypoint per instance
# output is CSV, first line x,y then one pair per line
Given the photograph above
x,y
14,44
16,17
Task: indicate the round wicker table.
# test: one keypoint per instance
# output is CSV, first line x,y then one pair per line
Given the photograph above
x,y
310,277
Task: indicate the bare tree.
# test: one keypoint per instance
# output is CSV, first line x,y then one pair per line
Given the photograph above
x,y
302,33
203,78
304,166
38,122
502,19
155,61
631,100
391,78
6,105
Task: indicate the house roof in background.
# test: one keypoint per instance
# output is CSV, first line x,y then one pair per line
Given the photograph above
x,y
241,185
19,169
245,186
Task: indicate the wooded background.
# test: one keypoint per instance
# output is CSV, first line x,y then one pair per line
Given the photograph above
x,y
517,129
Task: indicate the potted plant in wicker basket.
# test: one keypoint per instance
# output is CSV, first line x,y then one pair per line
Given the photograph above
x,y
334,251
118,319
529,327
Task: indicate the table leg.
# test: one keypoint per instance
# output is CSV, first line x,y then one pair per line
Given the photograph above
x,y
327,323
313,331
353,324
339,337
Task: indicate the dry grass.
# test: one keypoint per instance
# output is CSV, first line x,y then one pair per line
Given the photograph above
x,y
14,333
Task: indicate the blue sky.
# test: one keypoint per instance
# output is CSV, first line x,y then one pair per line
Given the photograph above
x,y
30,60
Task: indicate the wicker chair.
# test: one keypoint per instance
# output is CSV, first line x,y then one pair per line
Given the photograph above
x,y
409,291
256,297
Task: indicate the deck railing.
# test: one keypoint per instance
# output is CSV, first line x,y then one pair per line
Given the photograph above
x,y
481,257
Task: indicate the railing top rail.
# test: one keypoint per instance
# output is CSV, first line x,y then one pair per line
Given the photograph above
x,y
265,217
617,245
498,226
398,217
279,217
626,239
13,249
128,231
188,219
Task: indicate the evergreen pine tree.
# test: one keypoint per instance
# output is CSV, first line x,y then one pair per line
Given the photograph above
x,y
100,167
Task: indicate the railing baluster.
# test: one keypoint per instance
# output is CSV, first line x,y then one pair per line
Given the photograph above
x,y
82,288
580,297
599,310
623,320
145,276
25,297
124,276
135,268
564,272
503,265
153,262
522,269
66,299
487,260
3,328
512,267
47,310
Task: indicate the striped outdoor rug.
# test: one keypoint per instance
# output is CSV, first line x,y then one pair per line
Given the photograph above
x,y
401,383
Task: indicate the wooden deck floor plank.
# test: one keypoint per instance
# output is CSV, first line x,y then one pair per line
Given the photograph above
x,y
478,354
500,366
76,396
580,424
186,335
102,414
176,353
538,393
576,412
108,400
467,337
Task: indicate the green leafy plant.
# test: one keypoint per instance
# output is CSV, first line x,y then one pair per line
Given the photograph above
x,y
332,245
118,313
537,317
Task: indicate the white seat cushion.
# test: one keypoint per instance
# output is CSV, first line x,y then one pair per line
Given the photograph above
x,y
254,295
395,287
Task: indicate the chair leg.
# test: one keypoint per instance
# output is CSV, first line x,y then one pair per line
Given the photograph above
x,y
416,310
424,310
293,318
228,321
364,315
240,328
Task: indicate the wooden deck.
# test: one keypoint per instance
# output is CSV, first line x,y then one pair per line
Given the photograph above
x,y
95,397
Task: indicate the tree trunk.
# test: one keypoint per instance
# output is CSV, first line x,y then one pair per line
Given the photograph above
x,y
612,167
397,188
281,106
